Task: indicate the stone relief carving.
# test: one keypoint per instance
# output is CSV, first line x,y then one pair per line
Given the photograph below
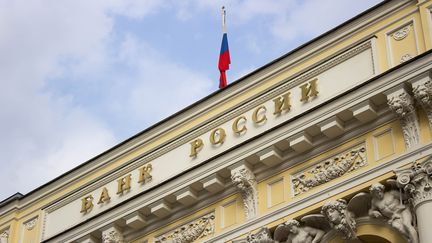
x,y
417,182
4,236
292,231
262,236
329,169
405,58
402,105
340,218
388,206
423,95
31,224
190,232
402,33
245,181
112,236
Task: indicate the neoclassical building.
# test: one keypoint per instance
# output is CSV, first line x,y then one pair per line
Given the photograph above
x,y
331,142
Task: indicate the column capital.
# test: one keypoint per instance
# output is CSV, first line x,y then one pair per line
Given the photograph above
x,y
417,182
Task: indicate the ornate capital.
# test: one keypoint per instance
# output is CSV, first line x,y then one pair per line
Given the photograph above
x,y
422,90
31,224
262,236
112,235
402,104
417,182
244,179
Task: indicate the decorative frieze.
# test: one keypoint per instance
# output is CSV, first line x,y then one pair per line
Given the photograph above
x,y
329,169
190,232
402,104
245,181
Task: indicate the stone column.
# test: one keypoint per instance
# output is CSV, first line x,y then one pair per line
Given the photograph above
x,y
244,179
417,183
402,104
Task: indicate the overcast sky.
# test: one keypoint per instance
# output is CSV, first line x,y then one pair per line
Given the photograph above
x,y
79,76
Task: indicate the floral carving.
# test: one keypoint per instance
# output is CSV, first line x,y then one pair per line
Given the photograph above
x,y
329,169
31,224
402,33
245,181
402,105
405,58
112,236
187,233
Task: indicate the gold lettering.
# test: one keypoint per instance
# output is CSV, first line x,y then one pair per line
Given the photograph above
x,y
282,103
144,174
217,136
309,90
196,146
86,204
235,125
123,184
104,197
255,117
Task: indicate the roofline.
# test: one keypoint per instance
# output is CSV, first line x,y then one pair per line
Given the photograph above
x,y
220,91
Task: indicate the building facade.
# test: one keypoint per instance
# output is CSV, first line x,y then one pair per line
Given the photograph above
x,y
331,142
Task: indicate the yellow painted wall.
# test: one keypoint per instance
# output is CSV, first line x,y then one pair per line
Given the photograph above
x,y
418,40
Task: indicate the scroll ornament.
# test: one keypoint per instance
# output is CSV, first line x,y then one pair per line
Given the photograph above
x,y
4,236
403,106
112,236
423,95
245,181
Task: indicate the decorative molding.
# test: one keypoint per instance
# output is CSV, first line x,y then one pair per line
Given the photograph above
x,y
401,33
405,58
190,232
31,224
112,236
417,182
245,181
329,169
402,104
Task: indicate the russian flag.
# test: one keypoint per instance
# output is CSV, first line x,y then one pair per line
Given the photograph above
x,y
224,61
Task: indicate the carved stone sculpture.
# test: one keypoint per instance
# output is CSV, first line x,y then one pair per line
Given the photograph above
x,y
417,182
4,236
387,205
245,181
402,104
112,236
262,236
196,229
292,232
423,94
340,218
329,169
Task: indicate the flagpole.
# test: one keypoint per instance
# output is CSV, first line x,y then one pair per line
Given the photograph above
x,y
223,12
